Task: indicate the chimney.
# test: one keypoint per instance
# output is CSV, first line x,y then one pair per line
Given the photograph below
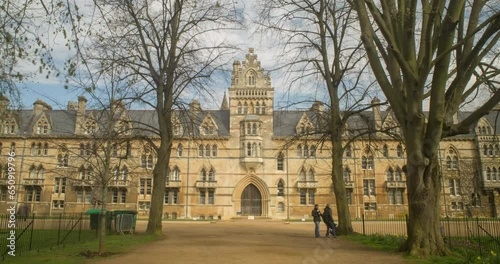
x,y
117,106
194,107
39,106
317,106
82,105
377,116
72,106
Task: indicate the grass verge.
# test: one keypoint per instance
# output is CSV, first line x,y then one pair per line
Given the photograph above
x,y
115,244
391,243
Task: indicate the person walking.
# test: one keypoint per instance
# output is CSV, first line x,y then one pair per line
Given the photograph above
x,y
328,219
316,214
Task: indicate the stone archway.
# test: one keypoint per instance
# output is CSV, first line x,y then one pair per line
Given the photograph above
x,y
246,196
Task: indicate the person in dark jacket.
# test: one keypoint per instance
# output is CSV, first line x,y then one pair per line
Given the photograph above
x,y
328,219
316,214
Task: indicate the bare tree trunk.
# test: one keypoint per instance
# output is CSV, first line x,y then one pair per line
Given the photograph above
x,y
102,223
160,171
424,229
344,215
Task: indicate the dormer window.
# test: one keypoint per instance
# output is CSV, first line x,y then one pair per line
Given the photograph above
x,y
176,124
42,127
90,128
123,127
208,127
9,127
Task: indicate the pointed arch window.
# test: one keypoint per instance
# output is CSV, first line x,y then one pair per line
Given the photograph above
x,y
364,162
59,160
179,150
348,153
312,151
81,171
280,162
214,150
370,164
254,150
347,174
488,174
302,175
494,174
390,174
399,151
33,172
116,173
306,151
211,175
299,150
490,151
150,161
177,174
245,108
240,108
398,175
311,176
200,150
207,150
203,175
281,188
40,173
385,151
124,173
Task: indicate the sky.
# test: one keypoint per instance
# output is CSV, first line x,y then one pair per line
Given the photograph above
x,y
52,90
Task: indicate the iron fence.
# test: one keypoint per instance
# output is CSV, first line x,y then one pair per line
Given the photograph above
x,y
480,234
34,232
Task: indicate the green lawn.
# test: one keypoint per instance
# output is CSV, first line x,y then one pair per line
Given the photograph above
x,y
70,253
465,254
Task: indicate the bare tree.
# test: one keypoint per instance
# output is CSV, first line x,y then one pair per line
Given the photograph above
x,y
317,44
27,32
170,48
429,51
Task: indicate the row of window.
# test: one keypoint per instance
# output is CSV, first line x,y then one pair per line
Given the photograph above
x,y
484,130
258,108
39,149
492,151
385,151
203,150
252,128
251,149
492,174
306,151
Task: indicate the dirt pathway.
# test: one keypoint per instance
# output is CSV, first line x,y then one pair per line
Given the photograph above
x,y
244,241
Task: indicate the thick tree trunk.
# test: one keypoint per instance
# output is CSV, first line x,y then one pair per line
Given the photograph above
x,y
424,227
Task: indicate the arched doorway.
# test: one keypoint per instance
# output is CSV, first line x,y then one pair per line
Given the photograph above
x,y
251,201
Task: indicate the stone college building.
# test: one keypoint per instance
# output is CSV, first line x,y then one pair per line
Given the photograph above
x,y
245,159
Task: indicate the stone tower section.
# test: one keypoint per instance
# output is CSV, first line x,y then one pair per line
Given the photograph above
x,y
251,99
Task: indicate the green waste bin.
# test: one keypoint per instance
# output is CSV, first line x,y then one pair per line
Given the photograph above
x,y
129,224
95,215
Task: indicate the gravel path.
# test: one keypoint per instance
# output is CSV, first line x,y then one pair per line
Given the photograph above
x,y
246,241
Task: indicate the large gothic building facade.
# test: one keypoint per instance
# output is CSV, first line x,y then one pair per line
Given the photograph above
x,y
245,159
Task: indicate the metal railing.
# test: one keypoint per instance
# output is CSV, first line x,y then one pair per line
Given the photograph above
x,y
35,232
